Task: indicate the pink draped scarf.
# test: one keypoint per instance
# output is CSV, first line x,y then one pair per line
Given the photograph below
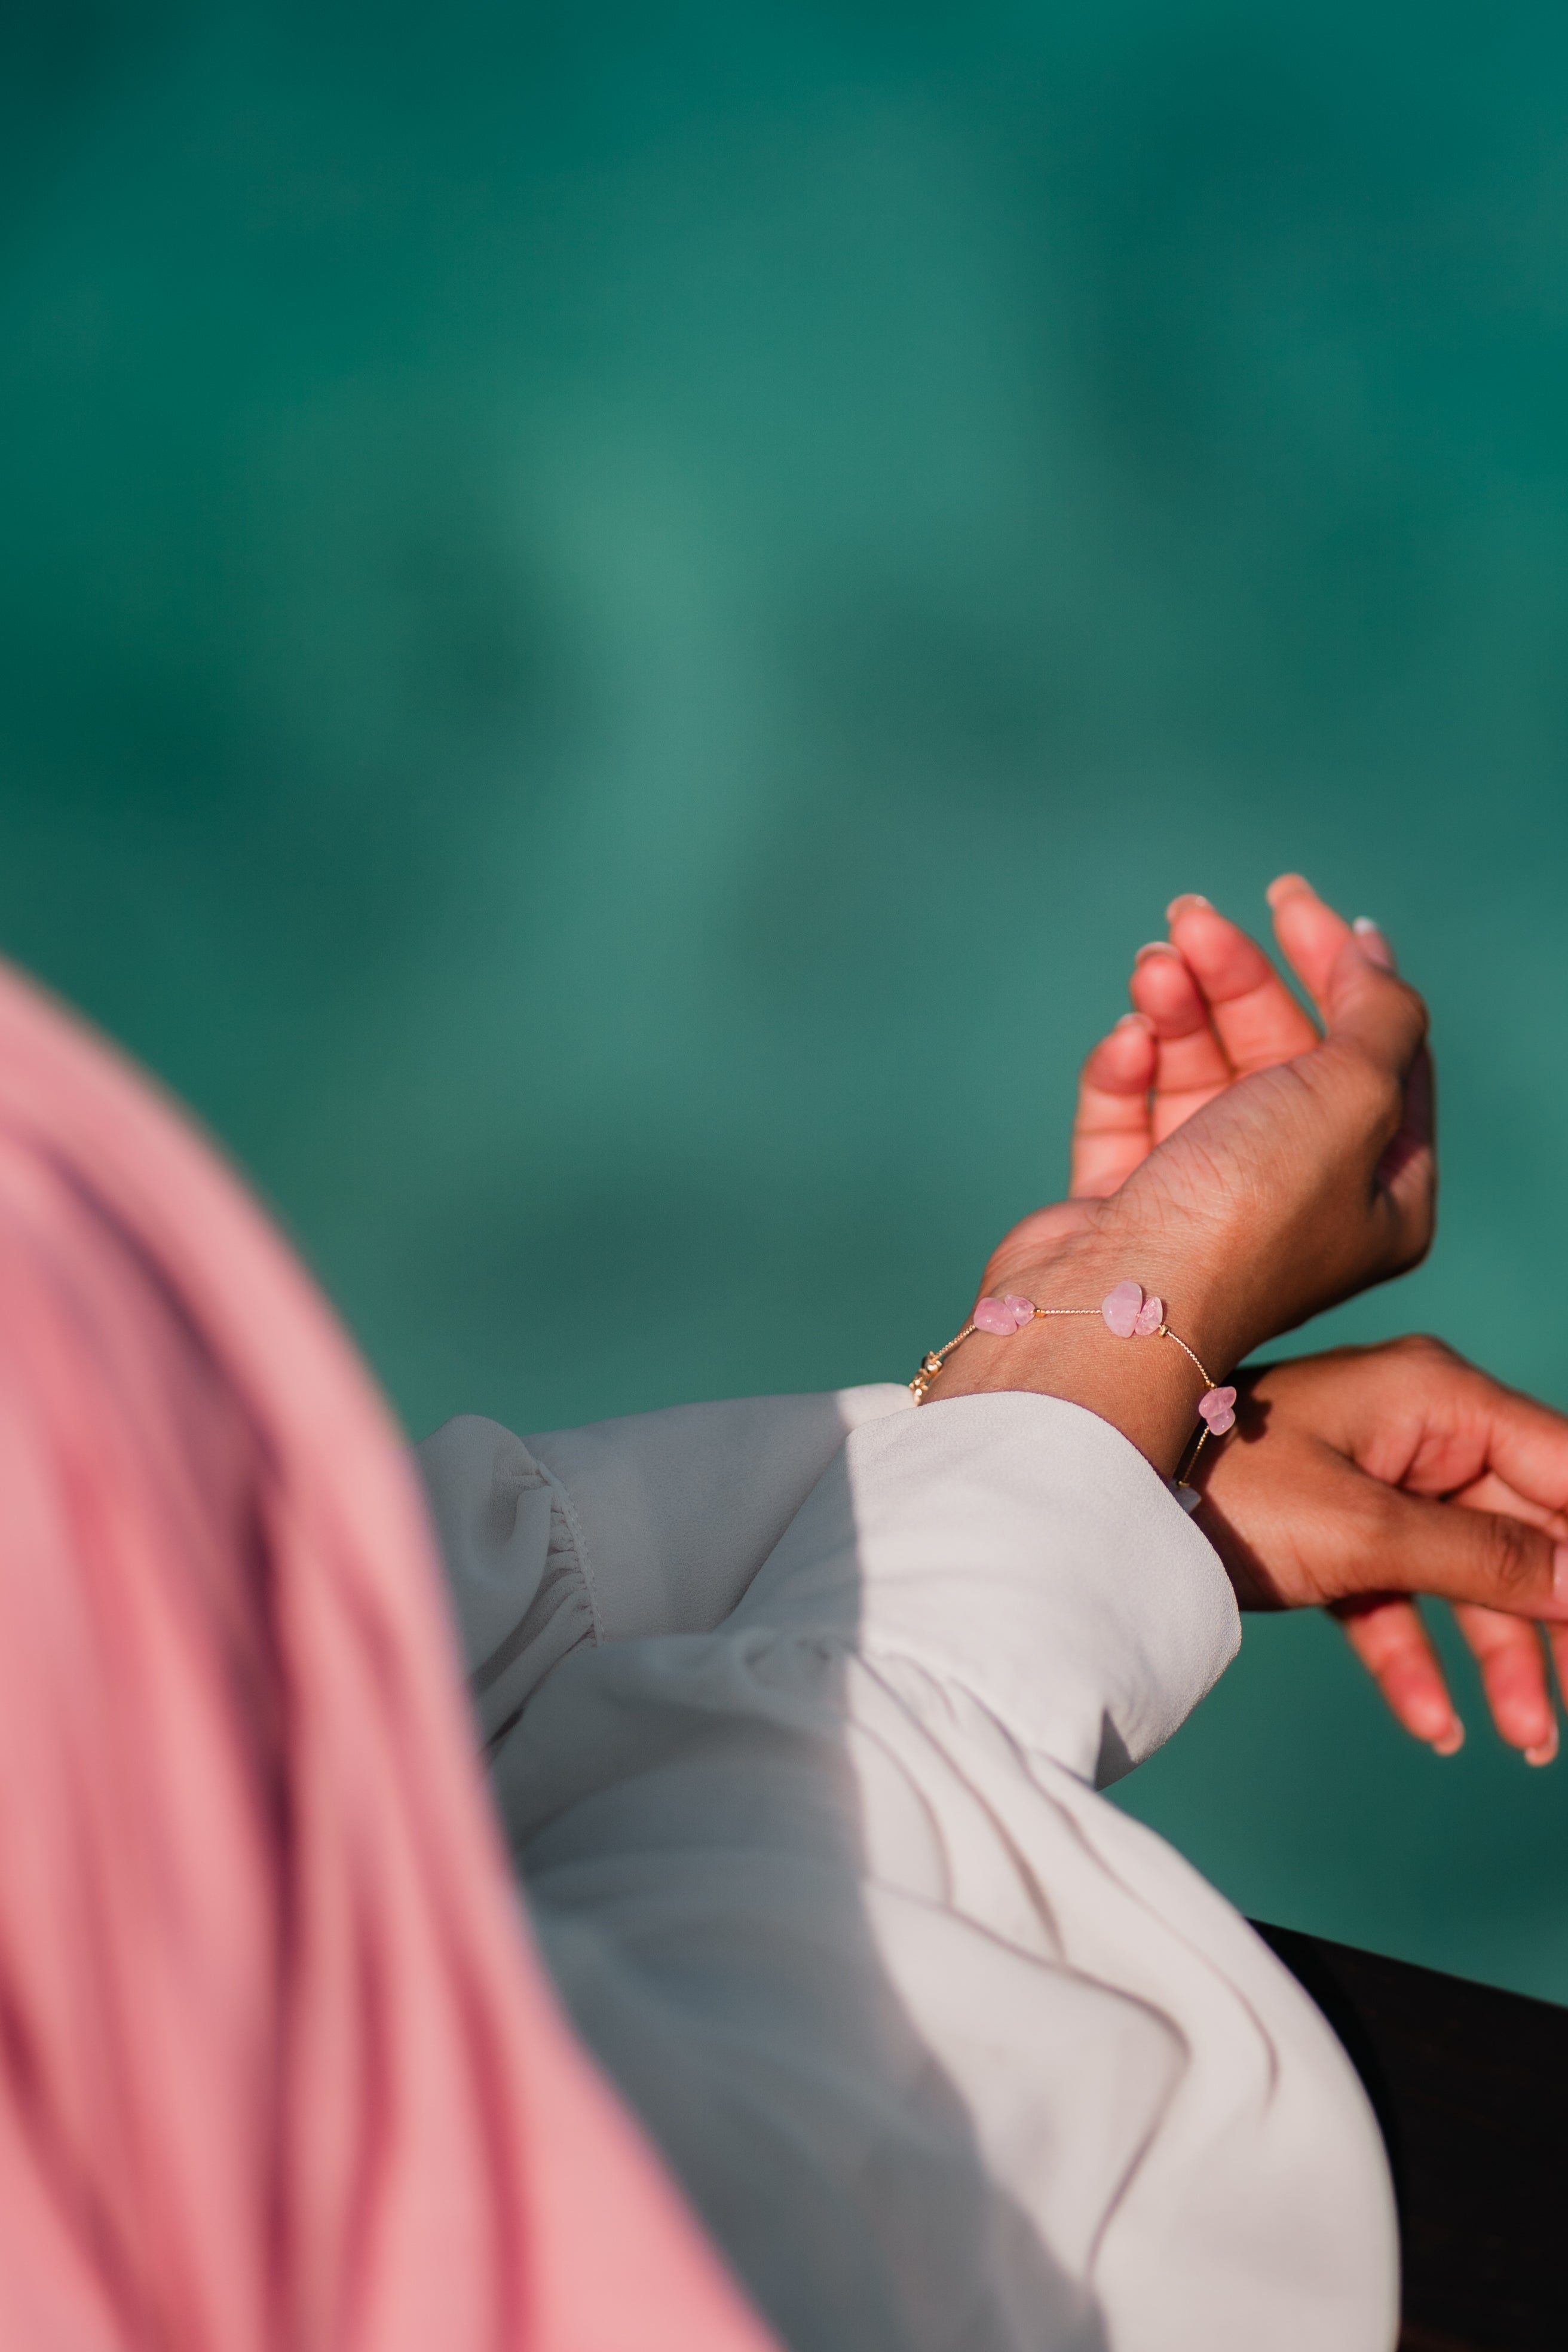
x,y
278,2065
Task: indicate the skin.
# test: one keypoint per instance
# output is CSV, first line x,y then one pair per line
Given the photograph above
x,y
1359,1478
1281,1193
1211,1007
1251,1172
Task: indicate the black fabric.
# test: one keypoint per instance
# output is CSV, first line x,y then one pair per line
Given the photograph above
x,y
1471,2086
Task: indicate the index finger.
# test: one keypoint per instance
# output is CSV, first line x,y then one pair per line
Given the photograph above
x,y
1421,1545
1256,1018
1191,1067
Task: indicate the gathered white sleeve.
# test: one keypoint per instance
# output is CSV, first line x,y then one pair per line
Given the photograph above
x,y
653,1524
948,2051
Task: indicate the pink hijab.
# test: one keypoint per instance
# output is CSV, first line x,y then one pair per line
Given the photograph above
x,y
277,2066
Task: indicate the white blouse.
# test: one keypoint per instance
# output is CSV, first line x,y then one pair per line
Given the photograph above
x,y
796,1708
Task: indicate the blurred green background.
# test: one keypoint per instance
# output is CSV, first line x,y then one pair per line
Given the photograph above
x,y
614,622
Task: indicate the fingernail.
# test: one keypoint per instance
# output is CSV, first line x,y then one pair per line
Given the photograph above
x,y
1371,943
1179,906
1453,1739
1156,947
1135,1021
1560,1574
1288,885
1544,1749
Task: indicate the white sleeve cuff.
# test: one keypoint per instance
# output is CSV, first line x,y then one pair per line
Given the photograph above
x,y
1019,1551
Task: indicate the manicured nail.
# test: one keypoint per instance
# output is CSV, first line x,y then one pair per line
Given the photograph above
x,y
1544,1749
1371,943
1288,885
1453,1739
1156,947
1179,906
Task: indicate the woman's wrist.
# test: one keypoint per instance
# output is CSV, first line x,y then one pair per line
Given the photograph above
x,y
1151,1394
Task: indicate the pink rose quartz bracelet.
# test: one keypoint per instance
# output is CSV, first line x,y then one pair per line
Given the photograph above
x,y
1129,1316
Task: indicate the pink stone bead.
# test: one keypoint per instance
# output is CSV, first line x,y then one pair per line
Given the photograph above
x,y
1217,1407
994,1314
1150,1315
1023,1309
1121,1308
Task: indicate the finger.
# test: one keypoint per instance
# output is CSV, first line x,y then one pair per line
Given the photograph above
x,y
1372,1017
1519,1452
1375,1045
1310,933
1416,1415
1386,1634
1254,1016
1513,1675
1409,1543
1191,1069
1366,1005
1110,1133
1491,1493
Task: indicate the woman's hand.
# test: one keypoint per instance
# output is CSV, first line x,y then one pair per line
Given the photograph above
x,y
1301,1517
1283,1191
1359,1478
1210,1008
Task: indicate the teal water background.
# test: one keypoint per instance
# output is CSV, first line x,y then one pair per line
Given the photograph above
x,y
612,624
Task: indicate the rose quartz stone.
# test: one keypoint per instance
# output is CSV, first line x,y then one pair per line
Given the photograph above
x,y
996,1315
1023,1309
1150,1315
1217,1407
1121,1308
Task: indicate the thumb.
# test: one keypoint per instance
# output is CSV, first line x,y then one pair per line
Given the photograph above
x,y
1459,1554
1308,929
1366,1007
